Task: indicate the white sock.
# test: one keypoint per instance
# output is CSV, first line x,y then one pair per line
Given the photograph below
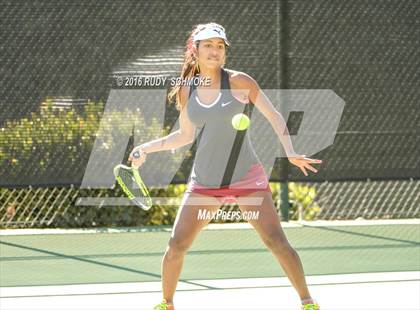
x,y
308,300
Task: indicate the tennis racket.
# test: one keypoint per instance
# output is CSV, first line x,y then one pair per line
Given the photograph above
x,y
128,178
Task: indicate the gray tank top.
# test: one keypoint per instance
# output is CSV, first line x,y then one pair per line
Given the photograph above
x,y
224,155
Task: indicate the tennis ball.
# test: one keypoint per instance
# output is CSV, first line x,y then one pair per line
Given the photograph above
x,y
240,121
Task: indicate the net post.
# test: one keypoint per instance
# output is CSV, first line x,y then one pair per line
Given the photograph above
x,y
284,201
282,80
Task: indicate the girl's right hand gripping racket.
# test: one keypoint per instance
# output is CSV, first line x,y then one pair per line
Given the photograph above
x,y
131,183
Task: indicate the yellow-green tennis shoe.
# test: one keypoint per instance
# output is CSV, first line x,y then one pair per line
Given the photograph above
x,y
310,307
164,306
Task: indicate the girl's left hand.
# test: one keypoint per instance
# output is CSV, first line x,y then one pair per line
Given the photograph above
x,y
303,163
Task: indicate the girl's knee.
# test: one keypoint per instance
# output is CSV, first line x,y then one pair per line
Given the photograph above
x,y
177,247
277,242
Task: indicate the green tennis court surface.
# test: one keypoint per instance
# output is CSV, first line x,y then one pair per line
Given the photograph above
x,y
83,264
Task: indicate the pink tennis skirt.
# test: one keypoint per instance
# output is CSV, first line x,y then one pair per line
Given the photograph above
x,y
255,180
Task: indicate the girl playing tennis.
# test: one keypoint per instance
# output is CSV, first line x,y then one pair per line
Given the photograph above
x,y
209,109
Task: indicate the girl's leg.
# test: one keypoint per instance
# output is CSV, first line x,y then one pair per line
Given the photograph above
x,y
269,228
186,228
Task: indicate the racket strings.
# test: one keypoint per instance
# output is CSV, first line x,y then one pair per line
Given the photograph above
x,y
134,187
127,178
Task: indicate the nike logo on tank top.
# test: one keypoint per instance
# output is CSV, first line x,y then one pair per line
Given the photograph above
x,y
224,155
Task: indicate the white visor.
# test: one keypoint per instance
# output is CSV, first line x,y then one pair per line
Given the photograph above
x,y
210,31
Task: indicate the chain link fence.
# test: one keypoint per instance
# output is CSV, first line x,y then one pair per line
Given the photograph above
x,y
56,206
365,51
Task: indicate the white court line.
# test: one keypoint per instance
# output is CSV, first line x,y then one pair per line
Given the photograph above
x,y
313,280
89,289
365,296
155,286
361,222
